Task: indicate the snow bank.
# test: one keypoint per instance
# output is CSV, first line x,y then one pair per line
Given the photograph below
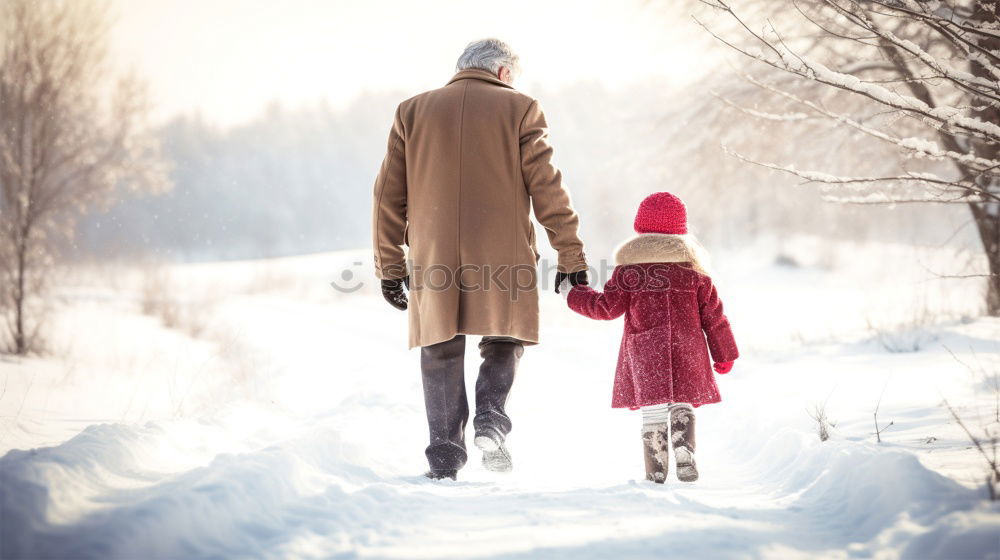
x,y
103,494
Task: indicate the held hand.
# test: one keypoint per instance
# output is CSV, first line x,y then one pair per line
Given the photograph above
x,y
564,288
392,291
575,278
723,367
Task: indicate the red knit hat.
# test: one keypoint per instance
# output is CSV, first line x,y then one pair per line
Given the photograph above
x,y
661,212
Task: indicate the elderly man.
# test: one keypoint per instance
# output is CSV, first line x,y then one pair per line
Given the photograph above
x,y
465,165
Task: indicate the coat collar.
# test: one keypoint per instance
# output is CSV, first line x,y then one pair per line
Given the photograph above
x,y
477,74
653,248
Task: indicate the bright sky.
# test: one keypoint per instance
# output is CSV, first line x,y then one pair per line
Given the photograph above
x,y
229,58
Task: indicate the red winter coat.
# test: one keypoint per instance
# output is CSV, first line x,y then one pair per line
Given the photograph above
x,y
670,310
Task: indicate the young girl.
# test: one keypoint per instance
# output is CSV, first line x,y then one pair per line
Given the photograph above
x,y
670,308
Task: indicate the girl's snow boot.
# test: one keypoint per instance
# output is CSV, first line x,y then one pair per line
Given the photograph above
x,y
682,437
655,443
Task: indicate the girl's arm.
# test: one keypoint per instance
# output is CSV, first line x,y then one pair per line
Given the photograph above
x,y
589,302
721,343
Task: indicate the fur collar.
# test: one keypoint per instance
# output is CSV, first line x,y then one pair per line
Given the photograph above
x,y
653,248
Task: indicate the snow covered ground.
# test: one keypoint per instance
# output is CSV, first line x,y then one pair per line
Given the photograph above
x,y
246,409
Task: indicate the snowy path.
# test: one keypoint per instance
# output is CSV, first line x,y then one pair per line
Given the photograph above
x,y
323,458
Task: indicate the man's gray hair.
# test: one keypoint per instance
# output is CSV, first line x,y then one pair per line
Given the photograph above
x,y
489,55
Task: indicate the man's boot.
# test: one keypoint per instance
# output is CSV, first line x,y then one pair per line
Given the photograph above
x,y
496,377
441,475
443,371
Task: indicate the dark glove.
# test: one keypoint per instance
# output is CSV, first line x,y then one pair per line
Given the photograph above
x,y
392,291
575,278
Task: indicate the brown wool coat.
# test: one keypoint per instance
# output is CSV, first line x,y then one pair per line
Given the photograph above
x,y
465,165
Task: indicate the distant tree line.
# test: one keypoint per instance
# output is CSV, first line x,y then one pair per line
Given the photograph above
x,y
295,181
288,182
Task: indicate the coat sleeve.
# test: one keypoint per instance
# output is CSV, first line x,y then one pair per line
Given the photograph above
x,y
389,208
721,343
549,198
608,305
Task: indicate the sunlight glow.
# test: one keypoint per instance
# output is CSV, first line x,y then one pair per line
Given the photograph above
x,y
227,59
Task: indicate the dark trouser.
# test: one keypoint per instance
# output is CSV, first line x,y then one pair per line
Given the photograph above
x,y
443,368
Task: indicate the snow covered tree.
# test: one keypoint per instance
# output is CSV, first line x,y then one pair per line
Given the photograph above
x,y
69,141
929,76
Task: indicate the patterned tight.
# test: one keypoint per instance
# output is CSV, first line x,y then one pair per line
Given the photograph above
x,y
660,413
